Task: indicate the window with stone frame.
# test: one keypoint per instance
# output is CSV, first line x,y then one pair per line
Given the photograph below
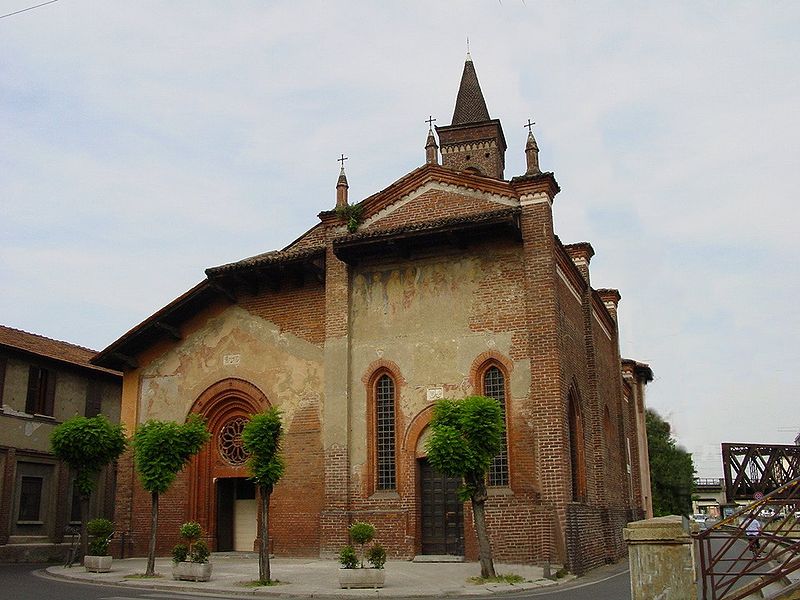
x,y
30,499
494,386
385,425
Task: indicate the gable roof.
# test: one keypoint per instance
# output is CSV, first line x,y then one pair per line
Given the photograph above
x,y
40,346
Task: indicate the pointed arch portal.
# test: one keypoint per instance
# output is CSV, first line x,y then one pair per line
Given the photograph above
x,y
221,498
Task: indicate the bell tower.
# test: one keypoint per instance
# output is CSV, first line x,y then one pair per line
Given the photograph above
x,y
473,141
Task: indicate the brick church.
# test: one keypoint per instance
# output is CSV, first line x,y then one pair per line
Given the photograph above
x,y
448,282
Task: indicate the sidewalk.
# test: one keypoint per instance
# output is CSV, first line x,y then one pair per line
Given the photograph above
x,y
311,577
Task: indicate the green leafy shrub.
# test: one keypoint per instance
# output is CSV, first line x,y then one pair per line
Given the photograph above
x,y
362,533
191,531
100,530
348,557
377,556
200,552
351,214
179,553
195,550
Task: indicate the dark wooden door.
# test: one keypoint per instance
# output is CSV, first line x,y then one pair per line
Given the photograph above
x,y
442,512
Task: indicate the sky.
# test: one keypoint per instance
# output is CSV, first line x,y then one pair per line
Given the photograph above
x,y
142,142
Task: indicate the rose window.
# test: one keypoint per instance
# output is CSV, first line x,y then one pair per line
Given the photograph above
x,y
231,446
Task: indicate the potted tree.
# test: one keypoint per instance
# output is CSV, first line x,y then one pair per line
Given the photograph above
x,y
98,560
353,573
190,558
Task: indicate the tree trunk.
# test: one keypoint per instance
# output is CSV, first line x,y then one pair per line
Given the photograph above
x,y
478,498
84,522
263,549
151,552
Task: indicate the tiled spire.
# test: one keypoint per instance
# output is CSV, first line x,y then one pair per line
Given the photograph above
x,y
470,105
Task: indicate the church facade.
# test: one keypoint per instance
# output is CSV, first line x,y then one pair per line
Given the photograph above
x,y
449,282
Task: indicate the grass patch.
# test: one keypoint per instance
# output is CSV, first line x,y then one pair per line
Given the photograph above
x,y
509,578
561,573
143,576
257,583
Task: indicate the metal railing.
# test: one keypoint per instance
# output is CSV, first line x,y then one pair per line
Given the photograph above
x,y
733,566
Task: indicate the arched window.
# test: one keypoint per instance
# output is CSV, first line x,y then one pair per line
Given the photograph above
x,y
577,463
386,470
494,386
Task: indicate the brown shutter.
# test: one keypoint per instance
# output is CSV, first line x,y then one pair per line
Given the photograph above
x,y
93,398
50,394
3,361
33,390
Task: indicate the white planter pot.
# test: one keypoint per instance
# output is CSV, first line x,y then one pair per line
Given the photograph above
x,y
189,571
97,564
361,578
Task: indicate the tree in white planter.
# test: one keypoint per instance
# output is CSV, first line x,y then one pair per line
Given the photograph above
x,y
353,573
100,532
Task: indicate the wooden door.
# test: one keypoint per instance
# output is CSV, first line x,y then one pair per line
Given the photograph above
x,y
442,512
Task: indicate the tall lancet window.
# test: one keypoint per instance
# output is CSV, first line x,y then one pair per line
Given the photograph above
x,y
494,386
385,433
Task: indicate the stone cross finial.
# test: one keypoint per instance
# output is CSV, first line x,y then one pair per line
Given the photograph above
x,y
430,120
341,160
530,125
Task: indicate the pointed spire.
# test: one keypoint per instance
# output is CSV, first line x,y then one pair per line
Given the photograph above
x,y
532,152
470,105
431,149
341,185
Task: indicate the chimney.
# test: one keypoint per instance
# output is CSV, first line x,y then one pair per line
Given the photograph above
x,y
581,254
610,298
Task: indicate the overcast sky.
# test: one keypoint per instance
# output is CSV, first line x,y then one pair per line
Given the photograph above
x,y
141,142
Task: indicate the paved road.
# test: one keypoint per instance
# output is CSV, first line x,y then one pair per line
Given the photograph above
x,y
25,582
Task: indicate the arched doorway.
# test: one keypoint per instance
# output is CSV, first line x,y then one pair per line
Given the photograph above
x,y
222,499
441,513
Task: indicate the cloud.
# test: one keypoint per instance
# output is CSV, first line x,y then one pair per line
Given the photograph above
x,y
147,141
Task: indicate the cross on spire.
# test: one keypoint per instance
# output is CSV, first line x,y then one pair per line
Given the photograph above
x,y
529,125
341,160
430,120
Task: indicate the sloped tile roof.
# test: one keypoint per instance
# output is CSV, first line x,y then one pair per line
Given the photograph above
x,y
54,349
274,257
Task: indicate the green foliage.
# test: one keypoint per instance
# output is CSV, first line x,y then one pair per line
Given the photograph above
x,y
199,552
671,469
180,552
466,435
100,530
348,557
191,531
377,556
262,439
351,213
87,444
196,550
362,533
162,448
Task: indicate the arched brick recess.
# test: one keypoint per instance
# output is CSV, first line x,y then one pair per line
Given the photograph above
x,y
375,371
218,404
480,365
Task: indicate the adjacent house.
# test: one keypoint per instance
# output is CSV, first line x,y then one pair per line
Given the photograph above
x,y
42,383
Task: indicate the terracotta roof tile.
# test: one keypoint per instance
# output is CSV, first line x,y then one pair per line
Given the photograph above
x,y
49,348
267,258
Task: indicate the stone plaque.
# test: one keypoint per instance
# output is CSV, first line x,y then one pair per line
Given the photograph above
x,y
435,393
231,360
